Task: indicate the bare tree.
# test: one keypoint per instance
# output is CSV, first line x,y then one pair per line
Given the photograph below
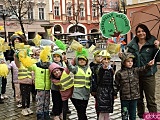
x,y
20,8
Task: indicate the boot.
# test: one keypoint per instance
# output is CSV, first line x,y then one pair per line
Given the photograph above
x,y
40,117
46,116
1,101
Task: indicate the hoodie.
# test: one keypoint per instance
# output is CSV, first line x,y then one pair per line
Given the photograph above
x,y
64,94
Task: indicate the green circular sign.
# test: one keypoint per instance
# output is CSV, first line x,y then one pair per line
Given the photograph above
x,y
114,24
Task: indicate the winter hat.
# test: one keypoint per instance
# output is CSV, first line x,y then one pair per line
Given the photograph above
x,y
14,36
62,51
105,53
58,52
54,66
96,52
126,56
18,35
82,57
82,54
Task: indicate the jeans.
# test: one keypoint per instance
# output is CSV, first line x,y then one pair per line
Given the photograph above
x,y
128,109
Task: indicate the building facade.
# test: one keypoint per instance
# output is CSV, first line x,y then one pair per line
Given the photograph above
x,y
83,16
37,15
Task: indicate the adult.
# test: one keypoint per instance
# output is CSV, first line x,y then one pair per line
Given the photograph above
x,y
144,47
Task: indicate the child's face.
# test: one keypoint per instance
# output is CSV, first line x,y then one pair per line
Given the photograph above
x,y
57,73
56,58
105,61
128,63
16,40
97,58
82,62
37,53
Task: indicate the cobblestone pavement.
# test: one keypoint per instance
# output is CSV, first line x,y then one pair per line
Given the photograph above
x,y
9,111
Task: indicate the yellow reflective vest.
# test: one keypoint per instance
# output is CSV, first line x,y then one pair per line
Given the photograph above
x,y
23,72
66,82
82,79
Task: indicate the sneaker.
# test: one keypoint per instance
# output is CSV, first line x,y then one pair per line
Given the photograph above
x,y
51,113
29,111
56,118
19,105
24,112
4,96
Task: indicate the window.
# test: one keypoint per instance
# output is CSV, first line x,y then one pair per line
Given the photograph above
x,y
56,8
56,11
30,13
1,6
94,12
82,12
41,13
69,11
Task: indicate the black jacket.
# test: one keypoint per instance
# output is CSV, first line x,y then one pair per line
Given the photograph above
x,y
105,97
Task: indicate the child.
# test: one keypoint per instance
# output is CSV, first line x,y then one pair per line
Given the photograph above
x,y
42,84
94,67
104,93
127,82
25,81
82,77
36,53
56,96
61,78
14,68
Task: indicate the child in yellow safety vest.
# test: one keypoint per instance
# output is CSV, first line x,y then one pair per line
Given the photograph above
x,y
82,80
61,78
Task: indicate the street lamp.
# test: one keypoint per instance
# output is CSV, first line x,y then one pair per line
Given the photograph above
x,y
4,14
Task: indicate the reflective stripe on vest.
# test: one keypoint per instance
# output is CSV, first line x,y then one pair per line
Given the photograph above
x,y
24,73
82,78
66,82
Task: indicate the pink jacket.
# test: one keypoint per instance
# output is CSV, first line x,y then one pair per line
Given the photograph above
x,y
14,68
64,94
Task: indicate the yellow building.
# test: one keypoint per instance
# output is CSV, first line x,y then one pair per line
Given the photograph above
x,y
37,15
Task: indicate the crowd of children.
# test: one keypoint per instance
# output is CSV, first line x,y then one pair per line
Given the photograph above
x,y
51,73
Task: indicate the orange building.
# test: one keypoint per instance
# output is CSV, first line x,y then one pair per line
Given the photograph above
x,y
83,16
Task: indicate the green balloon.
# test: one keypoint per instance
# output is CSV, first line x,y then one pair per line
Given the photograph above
x,y
114,24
